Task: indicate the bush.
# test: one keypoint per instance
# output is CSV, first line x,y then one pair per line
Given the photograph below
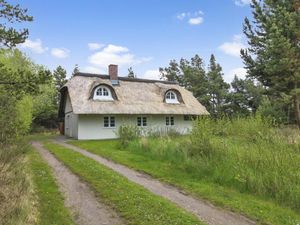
x,y
127,133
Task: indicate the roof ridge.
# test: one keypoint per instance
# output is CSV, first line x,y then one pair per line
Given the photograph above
x,y
105,76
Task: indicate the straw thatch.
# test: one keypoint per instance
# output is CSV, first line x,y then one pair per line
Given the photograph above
x,y
133,96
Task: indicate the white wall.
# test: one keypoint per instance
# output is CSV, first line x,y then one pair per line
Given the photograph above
x,y
91,126
71,125
71,120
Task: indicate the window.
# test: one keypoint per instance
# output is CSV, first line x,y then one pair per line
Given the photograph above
x,y
170,120
109,121
102,93
171,97
142,121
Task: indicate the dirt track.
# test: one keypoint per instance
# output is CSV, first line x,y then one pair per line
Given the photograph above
x,y
85,207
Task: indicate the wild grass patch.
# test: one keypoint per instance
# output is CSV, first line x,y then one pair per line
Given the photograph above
x,y
244,164
17,200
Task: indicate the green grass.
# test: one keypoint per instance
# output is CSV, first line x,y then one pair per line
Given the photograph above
x,y
50,203
164,159
134,203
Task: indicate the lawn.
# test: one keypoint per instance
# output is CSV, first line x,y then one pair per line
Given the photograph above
x,y
245,166
133,202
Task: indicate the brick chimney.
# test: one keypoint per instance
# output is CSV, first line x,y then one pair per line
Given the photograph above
x,y
113,72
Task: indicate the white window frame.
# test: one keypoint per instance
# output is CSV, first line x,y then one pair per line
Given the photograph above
x,y
111,122
144,121
171,97
170,121
103,89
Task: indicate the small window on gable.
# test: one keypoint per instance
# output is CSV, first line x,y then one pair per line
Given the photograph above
x,y
102,93
171,97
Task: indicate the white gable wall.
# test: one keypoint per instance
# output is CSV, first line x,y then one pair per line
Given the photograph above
x,y
92,126
71,120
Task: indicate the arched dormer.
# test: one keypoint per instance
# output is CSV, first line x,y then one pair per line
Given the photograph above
x,y
173,96
103,92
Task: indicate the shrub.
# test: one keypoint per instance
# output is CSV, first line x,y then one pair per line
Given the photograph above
x,y
127,133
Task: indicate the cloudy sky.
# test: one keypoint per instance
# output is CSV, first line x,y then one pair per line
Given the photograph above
x,y
144,35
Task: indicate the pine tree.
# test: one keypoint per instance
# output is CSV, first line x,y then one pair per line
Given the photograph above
x,y
59,75
9,36
217,88
245,97
172,72
273,57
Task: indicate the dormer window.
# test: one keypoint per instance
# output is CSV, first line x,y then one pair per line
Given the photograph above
x,y
171,97
102,93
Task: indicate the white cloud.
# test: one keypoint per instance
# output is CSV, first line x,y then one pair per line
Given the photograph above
x,y
92,69
233,48
242,2
181,16
152,74
113,54
240,72
35,46
60,52
95,46
196,20
193,18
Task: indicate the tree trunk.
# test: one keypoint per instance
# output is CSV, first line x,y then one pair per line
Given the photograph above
x,y
297,109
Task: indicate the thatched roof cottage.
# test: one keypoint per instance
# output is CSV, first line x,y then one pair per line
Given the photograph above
x,y
95,106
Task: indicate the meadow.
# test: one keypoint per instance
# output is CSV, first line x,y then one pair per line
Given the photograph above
x,y
245,164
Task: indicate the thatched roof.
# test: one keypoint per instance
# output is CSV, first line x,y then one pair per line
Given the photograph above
x,y
134,96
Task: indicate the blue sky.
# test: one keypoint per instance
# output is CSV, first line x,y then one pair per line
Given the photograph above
x,y
143,34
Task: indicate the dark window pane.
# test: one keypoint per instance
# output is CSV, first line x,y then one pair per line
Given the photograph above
x,y
144,121
139,121
112,121
172,120
167,120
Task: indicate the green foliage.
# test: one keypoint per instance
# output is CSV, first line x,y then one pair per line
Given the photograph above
x,y
23,115
273,57
220,178
217,89
245,97
9,36
208,87
59,76
127,133
136,204
45,107
274,110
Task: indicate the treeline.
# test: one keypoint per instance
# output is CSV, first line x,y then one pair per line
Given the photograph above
x,y
242,97
29,95
272,60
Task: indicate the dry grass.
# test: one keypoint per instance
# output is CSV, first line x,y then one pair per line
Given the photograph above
x,y
17,199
